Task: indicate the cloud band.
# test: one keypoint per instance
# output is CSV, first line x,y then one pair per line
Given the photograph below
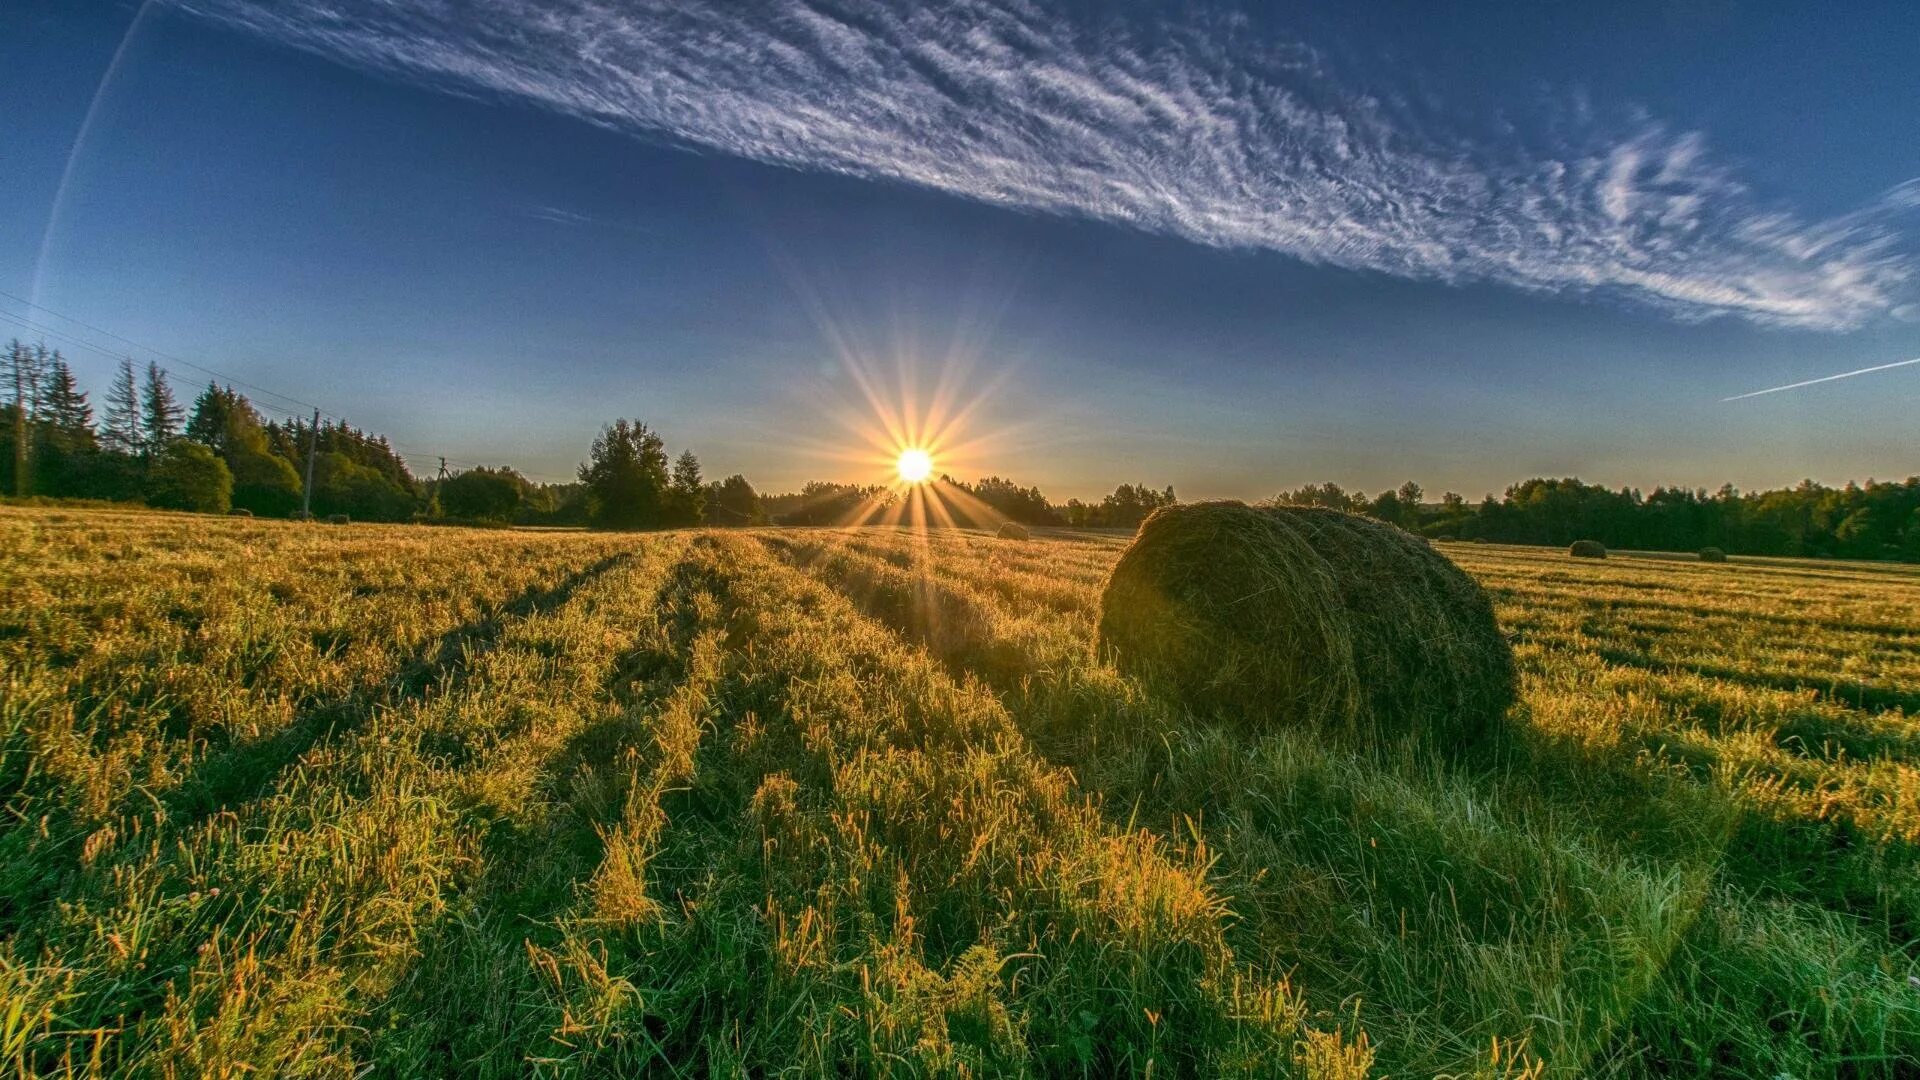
x,y
1193,130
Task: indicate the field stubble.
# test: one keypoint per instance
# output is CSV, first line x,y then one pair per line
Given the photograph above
x,y
809,802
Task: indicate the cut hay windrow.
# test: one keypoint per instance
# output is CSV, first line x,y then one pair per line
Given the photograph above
x,y
1305,616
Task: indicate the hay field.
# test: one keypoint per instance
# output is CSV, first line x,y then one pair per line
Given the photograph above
x,y
286,800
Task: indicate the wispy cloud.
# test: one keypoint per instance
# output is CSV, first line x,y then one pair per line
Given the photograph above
x,y
1195,130
555,215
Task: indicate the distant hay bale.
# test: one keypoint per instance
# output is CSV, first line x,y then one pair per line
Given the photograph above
x,y
1306,616
338,519
240,512
1712,554
1013,530
1588,549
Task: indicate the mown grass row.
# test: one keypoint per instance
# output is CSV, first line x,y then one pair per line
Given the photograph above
x,y
696,813
257,937
1564,842
398,801
867,872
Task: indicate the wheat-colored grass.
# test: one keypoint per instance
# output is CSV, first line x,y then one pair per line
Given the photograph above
x,y
285,799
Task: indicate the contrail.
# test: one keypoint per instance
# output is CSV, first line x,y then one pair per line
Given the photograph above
x,y
59,203
1823,378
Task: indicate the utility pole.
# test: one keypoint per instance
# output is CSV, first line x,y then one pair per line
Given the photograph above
x,y
17,356
313,447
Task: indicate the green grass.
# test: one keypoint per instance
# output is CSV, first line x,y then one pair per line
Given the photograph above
x,y
286,800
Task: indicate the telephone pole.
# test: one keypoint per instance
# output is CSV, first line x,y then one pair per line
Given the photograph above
x,y
18,358
313,447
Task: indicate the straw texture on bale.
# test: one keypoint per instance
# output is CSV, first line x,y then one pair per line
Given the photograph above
x,y
1588,549
1310,617
1712,554
1013,530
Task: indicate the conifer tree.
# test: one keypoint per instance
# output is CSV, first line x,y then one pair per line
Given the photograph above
x,y
120,426
689,493
64,410
160,413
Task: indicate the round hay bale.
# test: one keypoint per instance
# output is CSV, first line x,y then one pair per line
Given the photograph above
x,y
1588,549
338,519
1013,530
1712,554
1306,616
240,512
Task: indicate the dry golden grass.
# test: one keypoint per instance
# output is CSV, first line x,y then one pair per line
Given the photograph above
x,y
411,801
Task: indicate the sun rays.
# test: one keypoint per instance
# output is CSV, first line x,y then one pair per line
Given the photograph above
x,y
925,442
903,442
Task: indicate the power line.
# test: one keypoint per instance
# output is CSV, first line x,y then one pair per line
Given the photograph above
x,y
229,379
284,403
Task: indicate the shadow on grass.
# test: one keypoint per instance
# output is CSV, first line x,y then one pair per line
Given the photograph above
x,y
1638,798
1856,695
464,1004
245,769
1818,731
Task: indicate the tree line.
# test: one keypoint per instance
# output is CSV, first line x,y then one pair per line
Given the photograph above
x,y
627,482
1875,520
221,453
218,454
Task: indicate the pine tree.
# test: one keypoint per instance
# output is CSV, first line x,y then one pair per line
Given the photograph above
x,y
689,493
225,421
120,427
64,410
161,414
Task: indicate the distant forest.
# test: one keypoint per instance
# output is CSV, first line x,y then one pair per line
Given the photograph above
x,y
1880,520
220,454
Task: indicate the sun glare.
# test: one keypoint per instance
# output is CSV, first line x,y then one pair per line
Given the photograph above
x,y
915,466
907,440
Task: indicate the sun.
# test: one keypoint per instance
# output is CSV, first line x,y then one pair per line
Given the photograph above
x,y
914,465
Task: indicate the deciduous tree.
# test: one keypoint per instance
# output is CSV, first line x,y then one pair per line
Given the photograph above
x,y
626,477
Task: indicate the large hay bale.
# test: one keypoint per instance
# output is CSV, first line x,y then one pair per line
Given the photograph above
x,y
1299,615
1588,549
339,519
1013,530
240,512
1712,554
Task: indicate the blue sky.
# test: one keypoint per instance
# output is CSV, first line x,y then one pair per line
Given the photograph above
x,y
1230,249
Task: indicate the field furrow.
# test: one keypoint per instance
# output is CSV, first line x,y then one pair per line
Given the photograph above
x,y
263,931
1520,940
405,801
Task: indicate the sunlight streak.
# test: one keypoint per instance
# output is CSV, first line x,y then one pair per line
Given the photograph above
x,y
1822,379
